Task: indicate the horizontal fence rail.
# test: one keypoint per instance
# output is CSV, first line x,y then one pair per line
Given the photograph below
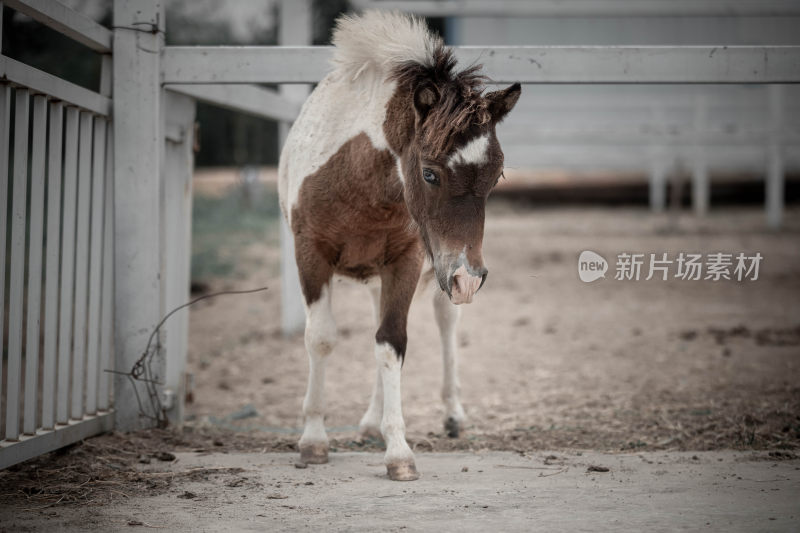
x,y
588,8
657,135
23,75
66,21
243,98
506,64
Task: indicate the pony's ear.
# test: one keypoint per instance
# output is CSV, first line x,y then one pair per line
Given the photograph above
x,y
503,101
425,97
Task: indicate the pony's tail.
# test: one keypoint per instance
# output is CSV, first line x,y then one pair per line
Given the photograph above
x,y
382,41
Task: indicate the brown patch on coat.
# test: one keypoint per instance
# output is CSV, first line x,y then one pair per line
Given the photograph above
x,y
351,218
398,283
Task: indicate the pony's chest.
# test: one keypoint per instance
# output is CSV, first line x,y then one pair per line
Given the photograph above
x,y
370,245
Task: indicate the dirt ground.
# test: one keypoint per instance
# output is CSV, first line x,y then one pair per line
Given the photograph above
x,y
547,361
465,492
688,391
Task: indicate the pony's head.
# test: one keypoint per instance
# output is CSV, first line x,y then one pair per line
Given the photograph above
x,y
450,162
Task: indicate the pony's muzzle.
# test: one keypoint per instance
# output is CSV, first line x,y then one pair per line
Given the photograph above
x,y
464,283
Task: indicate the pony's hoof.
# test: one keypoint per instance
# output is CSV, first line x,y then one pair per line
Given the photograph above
x,y
402,471
452,427
314,454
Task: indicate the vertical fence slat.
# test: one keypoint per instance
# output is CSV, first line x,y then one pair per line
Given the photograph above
x,y
67,264
16,280
774,188
106,350
95,264
5,115
107,309
701,184
81,264
5,138
177,187
35,247
52,259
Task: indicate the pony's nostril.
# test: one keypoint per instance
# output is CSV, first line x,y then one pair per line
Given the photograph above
x,y
483,278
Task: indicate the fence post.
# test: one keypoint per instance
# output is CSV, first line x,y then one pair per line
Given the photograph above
x,y
138,146
701,186
5,138
658,184
775,171
657,177
177,212
294,28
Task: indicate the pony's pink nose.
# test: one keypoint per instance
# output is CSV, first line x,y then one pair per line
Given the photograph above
x,y
464,285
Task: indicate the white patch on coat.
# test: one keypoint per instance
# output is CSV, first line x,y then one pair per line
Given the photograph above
x,y
393,427
475,152
336,112
400,169
353,98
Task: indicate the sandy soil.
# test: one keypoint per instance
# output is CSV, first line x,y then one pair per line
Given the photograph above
x,y
547,361
495,491
565,374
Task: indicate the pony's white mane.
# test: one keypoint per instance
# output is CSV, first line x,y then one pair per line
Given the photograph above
x,y
381,40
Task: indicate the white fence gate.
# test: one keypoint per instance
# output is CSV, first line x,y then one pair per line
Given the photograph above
x,y
108,230
59,302
100,239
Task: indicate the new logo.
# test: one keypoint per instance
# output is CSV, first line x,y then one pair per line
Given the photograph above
x,y
591,266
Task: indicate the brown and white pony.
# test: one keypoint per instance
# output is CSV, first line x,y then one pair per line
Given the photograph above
x,y
388,165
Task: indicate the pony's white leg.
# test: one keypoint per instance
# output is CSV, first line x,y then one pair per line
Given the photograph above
x,y
398,282
320,337
370,425
447,316
399,458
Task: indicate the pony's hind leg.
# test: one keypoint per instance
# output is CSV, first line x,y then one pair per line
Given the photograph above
x,y
447,316
320,338
370,425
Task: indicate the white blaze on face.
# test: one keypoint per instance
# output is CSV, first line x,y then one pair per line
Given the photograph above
x,y
472,153
465,285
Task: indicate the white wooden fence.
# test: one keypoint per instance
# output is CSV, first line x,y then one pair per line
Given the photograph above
x,y
135,200
60,299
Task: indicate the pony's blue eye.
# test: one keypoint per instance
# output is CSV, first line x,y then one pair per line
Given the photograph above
x,y
429,176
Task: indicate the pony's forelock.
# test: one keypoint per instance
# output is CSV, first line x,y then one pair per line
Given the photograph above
x,y
381,41
460,105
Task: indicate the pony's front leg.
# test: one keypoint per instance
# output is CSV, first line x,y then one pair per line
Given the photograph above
x,y
398,284
447,316
320,338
